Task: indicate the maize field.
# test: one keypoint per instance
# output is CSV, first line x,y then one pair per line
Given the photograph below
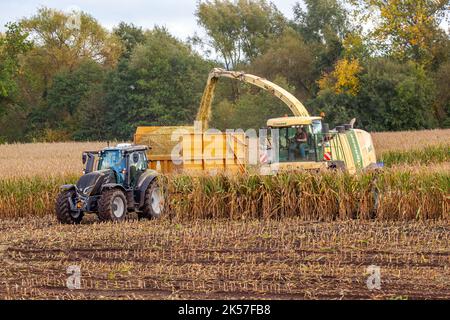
x,y
295,235
390,195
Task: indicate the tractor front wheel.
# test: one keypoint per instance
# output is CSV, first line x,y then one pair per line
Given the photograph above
x,y
112,205
153,202
64,213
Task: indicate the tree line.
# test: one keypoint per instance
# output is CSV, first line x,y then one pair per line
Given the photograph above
x,y
385,63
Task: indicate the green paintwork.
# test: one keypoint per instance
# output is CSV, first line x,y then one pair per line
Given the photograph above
x,y
355,148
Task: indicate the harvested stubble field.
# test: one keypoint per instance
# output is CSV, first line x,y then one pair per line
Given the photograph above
x,y
237,237
211,259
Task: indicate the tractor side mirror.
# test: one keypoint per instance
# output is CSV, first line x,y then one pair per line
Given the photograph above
x,y
84,158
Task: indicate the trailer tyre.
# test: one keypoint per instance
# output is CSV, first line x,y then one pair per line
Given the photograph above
x,y
112,205
63,212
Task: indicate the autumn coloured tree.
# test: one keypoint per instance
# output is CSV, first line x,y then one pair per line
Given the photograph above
x,y
344,78
407,29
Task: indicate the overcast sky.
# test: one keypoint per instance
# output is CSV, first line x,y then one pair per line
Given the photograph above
x,y
176,15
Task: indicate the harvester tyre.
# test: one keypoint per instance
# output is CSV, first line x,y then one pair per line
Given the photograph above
x,y
63,212
153,202
112,205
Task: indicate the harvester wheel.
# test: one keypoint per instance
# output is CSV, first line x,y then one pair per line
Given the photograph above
x,y
63,212
153,203
112,205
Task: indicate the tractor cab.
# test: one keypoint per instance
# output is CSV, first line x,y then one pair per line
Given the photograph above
x,y
127,162
296,139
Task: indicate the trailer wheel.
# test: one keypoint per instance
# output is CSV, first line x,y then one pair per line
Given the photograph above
x,y
112,205
153,202
63,212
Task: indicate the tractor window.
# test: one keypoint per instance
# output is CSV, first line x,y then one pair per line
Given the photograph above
x,y
141,163
111,159
138,165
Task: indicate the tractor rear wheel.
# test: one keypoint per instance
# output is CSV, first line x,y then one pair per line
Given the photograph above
x,y
153,202
112,205
63,212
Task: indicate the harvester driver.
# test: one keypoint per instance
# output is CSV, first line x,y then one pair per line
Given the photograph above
x,y
302,140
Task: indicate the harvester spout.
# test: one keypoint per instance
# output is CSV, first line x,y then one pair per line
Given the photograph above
x,y
204,113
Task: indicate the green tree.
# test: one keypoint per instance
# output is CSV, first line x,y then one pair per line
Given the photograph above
x,y
442,101
291,58
322,21
160,85
60,47
130,36
324,25
90,117
12,44
238,30
49,83
119,97
13,123
396,97
56,119
392,97
338,108
68,90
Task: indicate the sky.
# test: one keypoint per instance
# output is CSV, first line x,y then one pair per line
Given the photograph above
x,y
176,15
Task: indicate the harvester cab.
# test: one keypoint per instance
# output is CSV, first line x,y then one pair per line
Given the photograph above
x,y
115,181
295,138
307,143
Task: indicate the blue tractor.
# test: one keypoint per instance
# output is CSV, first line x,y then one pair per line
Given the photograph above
x,y
116,181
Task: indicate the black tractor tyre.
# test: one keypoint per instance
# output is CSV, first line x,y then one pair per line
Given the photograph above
x,y
63,212
112,205
153,203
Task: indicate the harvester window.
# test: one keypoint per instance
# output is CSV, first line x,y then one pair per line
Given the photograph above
x,y
317,126
299,144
